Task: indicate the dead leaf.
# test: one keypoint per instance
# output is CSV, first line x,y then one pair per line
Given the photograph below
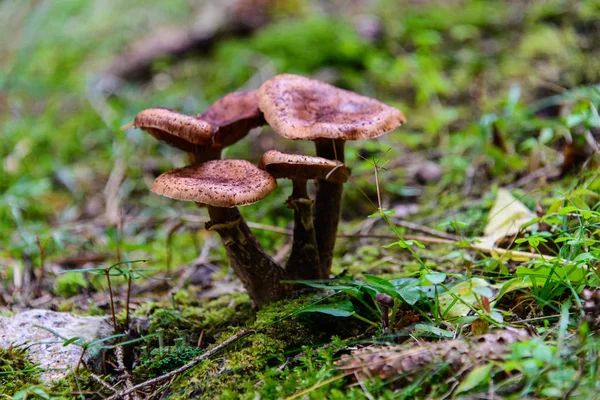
x,y
506,219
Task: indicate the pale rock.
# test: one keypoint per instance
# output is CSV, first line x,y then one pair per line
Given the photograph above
x,y
46,348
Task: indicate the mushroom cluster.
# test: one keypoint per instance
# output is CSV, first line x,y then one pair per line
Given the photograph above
x,y
296,108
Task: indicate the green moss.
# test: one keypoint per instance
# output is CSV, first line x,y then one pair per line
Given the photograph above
x,y
279,334
162,361
69,285
194,316
16,371
81,383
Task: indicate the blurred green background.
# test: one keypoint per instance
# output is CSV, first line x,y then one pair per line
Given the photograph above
x,y
73,181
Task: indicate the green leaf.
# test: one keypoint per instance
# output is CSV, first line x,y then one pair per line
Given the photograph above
x,y
342,308
478,376
436,277
461,299
484,291
378,280
410,294
435,330
77,339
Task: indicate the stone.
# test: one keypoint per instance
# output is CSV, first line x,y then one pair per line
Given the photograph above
x,y
46,348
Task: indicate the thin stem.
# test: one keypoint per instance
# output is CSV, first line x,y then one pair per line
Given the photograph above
x,y
112,302
128,297
328,205
303,262
40,278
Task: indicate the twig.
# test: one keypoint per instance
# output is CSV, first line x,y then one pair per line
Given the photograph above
x,y
468,181
424,239
123,371
40,278
269,228
112,302
591,141
202,259
423,229
102,383
550,171
170,234
187,366
128,298
515,253
440,237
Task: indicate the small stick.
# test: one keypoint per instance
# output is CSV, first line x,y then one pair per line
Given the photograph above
x,y
123,370
112,302
40,278
424,239
423,229
547,172
516,253
202,259
183,368
128,298
441,237
200,339
170,234
102,383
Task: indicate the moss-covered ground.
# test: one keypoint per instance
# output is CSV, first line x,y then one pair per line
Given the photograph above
x,y
498,95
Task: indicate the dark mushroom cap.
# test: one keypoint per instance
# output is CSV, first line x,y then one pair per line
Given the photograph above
x,y
384,299
233,116
296,166
219,183
300,108
182,131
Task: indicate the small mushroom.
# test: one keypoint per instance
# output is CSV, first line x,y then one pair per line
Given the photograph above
x,y
303,262
234,115
181,131
224,123
300,108
385,301
222,185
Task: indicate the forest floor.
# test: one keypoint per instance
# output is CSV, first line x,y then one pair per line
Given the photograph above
x,y
480,216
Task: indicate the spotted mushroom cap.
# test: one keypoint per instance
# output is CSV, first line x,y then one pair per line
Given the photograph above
x,y
296,166
233,116
182,131
220,183
300,108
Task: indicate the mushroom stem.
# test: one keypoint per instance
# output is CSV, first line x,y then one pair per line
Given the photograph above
x,y
328,205
303,262
385,301
204,154
260,275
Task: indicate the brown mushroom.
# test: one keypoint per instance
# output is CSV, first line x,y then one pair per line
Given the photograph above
x,y
224,123
234,115
303,262
222,185
300,108
181,131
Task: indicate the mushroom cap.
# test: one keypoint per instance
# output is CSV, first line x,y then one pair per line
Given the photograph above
x,y
300,108
233,115
182,131
296,166
219,183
